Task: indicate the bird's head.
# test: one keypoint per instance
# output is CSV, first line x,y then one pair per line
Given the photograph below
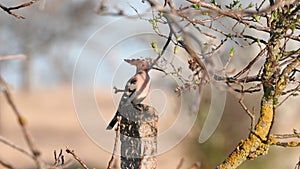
x,y
139,63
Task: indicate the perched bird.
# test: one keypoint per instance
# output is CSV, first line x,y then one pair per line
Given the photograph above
x,y
136,89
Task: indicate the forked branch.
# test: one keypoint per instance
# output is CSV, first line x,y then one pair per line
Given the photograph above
x,y
10,10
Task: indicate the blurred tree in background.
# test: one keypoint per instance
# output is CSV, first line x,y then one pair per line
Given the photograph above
x,y
49,37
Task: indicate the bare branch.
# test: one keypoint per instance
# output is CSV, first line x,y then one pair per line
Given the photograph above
x,y
110,163
246,79
13,57
251,63
10,9
237,14
14,146
164,49
250,114
286,136
283,79
292,93
287,144
58,160
22,122
72,152
180,163
6,165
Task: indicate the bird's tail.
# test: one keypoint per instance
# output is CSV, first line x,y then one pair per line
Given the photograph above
x,y
113,122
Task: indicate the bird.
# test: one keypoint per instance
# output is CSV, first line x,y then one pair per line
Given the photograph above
x,y
136,90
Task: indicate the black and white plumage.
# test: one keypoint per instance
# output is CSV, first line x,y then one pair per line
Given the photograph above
x,y
136,89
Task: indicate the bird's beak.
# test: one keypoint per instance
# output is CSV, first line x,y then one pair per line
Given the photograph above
x,y
127,60
130,61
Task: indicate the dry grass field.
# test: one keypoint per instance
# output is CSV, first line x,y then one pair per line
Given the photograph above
x,y
53,124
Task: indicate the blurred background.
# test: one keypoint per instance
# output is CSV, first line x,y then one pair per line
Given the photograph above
x,y
68,45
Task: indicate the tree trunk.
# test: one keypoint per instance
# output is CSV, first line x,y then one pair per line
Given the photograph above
x,y
138,135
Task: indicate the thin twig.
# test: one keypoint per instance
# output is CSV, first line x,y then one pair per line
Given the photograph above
x,y
58,160
180,163
251,115
287,144
6,165
286,136
13,57
163,50
109,166
246,79
22,122
292,93
70,151
14,146
238,13
10,9
185,44
251,63
227,62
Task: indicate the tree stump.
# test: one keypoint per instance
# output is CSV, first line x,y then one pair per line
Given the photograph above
x,y
138,135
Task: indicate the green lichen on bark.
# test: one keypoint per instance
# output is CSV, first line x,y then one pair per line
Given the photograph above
x,y
275,79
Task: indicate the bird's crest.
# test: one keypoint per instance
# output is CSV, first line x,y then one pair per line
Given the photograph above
x,y
140,64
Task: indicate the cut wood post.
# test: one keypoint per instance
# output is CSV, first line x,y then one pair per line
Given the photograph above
x,y
138,135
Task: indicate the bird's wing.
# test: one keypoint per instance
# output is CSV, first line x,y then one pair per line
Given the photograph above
x,y
132,88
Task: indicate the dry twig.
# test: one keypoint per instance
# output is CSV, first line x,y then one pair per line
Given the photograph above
x,y
180,163
286,136
291,93
22,122
110,163
6,165
250,114
12,57
72,152
10,9
58,160
287,144
14,146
